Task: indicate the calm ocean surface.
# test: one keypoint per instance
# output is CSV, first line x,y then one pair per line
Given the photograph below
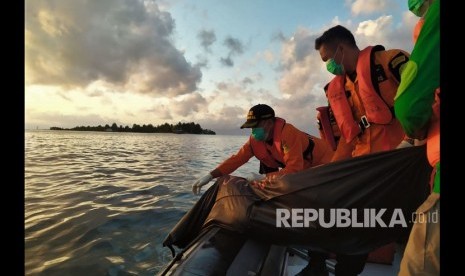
x,y
101,203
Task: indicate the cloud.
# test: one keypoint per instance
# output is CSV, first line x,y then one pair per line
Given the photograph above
x,y
225,115
207,38
409,20
227,61
368,6
243,95
96,93
126,44
202,61
188,104
235,47
226,120
371,28
298,109
301,65
247,81
278,36
268,56
161,111
383,31
301,80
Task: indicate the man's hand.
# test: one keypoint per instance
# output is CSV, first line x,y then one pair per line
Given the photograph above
x,y
201,182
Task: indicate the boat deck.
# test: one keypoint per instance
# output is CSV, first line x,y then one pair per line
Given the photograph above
x,y
296,263
220,252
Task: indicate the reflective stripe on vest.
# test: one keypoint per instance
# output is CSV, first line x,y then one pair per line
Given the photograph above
x,y
260,151
377,111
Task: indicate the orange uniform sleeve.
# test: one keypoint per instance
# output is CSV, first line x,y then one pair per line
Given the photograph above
x,y
235,161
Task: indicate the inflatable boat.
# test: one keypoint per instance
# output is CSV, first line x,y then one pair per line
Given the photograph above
x,y
222,252
236,228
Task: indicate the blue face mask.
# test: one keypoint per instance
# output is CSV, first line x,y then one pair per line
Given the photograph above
x,y
258,133
333,67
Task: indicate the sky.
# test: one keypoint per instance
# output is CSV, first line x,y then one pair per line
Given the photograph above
x,y
97,62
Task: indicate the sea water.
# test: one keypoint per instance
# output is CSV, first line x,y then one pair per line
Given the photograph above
x,y
101,203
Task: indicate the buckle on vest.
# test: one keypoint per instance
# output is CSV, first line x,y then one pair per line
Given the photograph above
x,y
364,124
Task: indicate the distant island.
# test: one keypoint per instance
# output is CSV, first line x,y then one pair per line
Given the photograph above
x,y
179,128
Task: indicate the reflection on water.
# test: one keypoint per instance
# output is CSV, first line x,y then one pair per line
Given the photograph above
x,y
99,203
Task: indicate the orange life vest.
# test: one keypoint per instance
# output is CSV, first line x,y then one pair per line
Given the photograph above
x,y
377,108
260,151
325,126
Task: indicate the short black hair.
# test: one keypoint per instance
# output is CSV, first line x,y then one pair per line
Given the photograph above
x,y
334,36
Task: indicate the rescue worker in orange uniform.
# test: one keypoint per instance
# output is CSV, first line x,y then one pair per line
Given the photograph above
x,y
280,147
329,131
362,93
361,96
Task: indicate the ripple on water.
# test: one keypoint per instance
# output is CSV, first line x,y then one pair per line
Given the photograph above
x,y
102,203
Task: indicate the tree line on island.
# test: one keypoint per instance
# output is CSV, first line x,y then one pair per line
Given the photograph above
x,y
190,128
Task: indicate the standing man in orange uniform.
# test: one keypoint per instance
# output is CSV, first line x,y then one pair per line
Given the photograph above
x,y
361,96
362,92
